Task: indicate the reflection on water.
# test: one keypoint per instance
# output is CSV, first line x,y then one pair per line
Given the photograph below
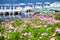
x,y
11,17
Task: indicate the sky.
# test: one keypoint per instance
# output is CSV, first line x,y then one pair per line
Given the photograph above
x,y
26,1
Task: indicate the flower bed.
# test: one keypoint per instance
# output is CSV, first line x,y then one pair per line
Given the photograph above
x,y
37,27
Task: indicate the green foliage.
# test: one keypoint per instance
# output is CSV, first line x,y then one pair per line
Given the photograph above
x,y
52,30
57,16
18,23
35,32
36,21
2,28
42,30
51,25
45,38
1,37
57,36
15,35
58,25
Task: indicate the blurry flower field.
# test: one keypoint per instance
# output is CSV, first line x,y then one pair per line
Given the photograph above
x,y
36,27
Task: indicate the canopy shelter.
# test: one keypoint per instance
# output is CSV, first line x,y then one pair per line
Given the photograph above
x,y
58,9
37,10
44,11
52,11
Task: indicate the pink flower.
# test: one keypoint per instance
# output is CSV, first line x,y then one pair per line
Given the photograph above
x,y
50,22
36,26
21,36
33,17
27,34
15,29
44,34
12,27
52,38
41,19
58,30
47,18
21,28
56,21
